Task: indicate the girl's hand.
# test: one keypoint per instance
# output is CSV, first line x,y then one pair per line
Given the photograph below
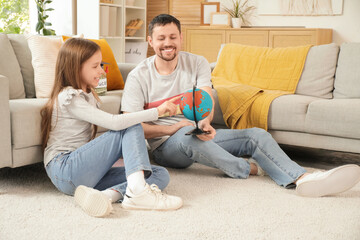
x,y
168,107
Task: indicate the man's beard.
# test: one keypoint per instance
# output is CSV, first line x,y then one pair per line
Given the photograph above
x,y
167,59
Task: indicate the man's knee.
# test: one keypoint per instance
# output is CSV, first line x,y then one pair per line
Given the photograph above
x,y
259,133
174,162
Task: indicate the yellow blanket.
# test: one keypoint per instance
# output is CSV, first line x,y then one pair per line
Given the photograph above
x,y
247,79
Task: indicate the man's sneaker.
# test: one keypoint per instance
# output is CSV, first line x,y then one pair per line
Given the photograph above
x,y
330,182
92,201
260,171
151,199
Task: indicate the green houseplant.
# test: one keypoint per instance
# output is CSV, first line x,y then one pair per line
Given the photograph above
x,y
42,16
239,12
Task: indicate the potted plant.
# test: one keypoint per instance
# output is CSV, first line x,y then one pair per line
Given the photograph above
x,y
42,16
239,12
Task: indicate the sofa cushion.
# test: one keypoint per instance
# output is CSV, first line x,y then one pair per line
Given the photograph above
x,y
288,112
23,55
125,69
347,80
218,115
44,51
25,118
317,78
110,103
334,117
10,68
25,122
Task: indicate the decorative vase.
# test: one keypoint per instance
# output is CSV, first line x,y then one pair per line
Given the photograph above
x,y
236,22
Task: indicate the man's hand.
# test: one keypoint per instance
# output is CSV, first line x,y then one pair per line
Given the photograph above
x,y
179,125
206,127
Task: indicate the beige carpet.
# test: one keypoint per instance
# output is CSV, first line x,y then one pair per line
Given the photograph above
x,y
216,207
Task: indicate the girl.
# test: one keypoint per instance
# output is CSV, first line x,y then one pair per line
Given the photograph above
x,y
81,165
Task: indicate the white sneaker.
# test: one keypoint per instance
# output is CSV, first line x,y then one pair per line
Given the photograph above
x,y
92,201
151,199
260,171
330,182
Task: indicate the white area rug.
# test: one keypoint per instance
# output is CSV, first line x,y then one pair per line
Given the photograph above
x,y
216,207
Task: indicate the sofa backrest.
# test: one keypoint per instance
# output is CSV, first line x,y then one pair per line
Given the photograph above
x,y
10,68
317,78
347,79
23,55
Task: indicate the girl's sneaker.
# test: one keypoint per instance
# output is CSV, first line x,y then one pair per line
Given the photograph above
x,y
330,182
151,199
261,171
92,201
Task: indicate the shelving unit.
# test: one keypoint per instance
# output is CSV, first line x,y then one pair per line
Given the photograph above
x,y
95,19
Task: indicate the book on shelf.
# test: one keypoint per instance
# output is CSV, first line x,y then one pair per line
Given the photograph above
x,y
112,21
104,20
107,1
133,26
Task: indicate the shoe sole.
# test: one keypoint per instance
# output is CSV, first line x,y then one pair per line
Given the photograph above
x,y
132,207
94,203
341,180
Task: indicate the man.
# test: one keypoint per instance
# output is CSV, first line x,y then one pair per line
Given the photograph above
x,y
169,73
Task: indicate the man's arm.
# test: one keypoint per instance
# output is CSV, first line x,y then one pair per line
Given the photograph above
x,y
153,131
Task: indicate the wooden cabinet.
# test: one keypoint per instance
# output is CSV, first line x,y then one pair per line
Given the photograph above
x,y
206,41
199,42
252,38
187,11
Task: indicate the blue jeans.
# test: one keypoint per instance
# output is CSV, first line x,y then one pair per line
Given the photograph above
x,y
91,164
225,151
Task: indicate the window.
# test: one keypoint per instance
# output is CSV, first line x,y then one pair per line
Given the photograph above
x,y
14,16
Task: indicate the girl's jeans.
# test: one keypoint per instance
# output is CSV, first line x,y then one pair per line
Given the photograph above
x,y
91,164
225,150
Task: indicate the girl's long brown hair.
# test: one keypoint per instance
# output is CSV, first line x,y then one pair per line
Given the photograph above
x,y
72,55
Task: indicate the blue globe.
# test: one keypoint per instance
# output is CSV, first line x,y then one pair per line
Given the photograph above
x,y
203,104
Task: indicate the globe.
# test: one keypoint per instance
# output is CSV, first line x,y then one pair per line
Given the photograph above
x,y
203,104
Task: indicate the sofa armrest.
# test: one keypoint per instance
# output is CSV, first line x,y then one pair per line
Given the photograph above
x,y
5,128
125,68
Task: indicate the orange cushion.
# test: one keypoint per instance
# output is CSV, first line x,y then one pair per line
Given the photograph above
x,y
114,78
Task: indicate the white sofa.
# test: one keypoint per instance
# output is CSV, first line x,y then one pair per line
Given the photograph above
x,y
316,116
20,140
324,112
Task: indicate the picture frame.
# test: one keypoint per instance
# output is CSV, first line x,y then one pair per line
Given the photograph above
x,y
301,8
220,19
206,9
135,52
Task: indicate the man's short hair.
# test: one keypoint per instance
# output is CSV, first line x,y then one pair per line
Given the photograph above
x,y
162,20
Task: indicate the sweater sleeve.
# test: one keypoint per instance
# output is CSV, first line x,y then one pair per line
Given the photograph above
x,y
79,108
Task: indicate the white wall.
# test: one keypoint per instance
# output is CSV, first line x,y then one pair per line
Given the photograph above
x,y
62,18
346,27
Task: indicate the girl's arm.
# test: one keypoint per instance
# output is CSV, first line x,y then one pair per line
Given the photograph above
x,y
82,110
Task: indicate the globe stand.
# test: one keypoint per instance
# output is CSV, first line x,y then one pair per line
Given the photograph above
x,y
197,130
